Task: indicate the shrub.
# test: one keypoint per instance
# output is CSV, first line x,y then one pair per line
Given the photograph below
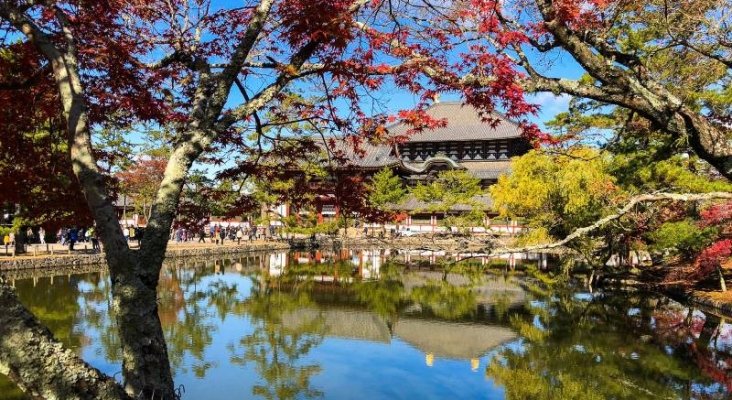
x,y
685,238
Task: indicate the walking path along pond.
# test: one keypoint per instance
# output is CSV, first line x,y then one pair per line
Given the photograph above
x,y
385,323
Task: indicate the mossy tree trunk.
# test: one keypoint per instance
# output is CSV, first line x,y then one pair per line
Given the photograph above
x,y
39,364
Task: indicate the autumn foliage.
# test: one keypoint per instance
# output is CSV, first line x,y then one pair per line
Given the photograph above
x,y
712,257
142,180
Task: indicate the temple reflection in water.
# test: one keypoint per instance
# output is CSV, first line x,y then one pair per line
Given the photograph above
x,y
385,323
467,340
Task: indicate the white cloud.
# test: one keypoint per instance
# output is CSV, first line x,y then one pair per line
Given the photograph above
x,y
550,104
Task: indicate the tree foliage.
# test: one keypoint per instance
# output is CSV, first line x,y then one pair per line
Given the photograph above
x,y
683,237
451,189
141,182
386,190
662,64
556,193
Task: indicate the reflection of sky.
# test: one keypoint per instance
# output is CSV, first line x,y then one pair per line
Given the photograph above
x,y
357,369
350,368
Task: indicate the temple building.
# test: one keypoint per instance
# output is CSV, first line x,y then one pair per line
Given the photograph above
x,y
466,142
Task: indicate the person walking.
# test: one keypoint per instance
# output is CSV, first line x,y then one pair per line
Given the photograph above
x,y
201,235
239,235
92,232
222,235
42,235
73,237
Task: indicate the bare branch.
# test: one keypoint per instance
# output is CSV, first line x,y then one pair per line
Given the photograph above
x,y
244,47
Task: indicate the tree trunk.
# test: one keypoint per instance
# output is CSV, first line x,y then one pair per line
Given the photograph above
x,y
710,143
39,364
20,240
146,368
591,279
722,283
711,322
145,362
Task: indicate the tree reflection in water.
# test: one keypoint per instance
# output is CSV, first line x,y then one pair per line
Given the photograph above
x,y
276,350
555,343
293,311
183,316
601,346
385,296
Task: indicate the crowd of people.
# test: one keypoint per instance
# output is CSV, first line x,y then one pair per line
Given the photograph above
x,y
66,236
218,234
71,236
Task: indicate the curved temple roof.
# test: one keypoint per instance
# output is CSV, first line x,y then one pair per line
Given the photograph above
x,y
447,340
464,123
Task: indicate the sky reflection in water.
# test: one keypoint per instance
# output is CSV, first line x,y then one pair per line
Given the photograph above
x,y
365,324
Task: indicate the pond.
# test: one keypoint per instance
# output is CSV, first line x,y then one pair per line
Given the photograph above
x,y
378,324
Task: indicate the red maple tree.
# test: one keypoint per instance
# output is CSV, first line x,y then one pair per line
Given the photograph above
x,y
141,182
217,76
221,77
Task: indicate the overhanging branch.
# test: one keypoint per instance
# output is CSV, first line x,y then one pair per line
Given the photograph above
x,y
634,201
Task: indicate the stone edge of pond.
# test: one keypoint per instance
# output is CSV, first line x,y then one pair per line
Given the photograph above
x,y
90,259
723,308
692,298
414,242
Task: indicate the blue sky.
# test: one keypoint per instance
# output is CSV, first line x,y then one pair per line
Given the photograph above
x,y
554,64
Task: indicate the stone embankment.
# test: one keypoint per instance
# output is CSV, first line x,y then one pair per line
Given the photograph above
x,y
422,242
715,302
705,301
80,259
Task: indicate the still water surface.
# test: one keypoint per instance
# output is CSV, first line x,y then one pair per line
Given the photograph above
x,y
386,324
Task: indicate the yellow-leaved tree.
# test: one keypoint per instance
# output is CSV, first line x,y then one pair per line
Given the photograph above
x,y
555,193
